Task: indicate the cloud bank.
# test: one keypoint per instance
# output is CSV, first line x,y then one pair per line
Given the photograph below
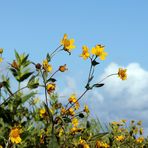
x,y
119,99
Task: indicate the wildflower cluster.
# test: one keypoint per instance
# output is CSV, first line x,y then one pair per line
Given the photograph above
x,y
28,119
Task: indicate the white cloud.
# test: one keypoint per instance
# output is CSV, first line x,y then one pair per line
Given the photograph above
x,y
118,99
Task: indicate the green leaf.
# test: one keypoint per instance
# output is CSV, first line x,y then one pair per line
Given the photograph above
x,y
24,60
14,72
17,57
99,135
48,57
33,83
25,76
49,113
66,119
94,63
98,85
51,80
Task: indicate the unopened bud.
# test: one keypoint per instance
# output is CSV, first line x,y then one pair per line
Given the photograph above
x,y
63,68
38,66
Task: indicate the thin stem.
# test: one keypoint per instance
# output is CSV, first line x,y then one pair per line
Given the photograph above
x,y
107,77
53,73
52,54
44,81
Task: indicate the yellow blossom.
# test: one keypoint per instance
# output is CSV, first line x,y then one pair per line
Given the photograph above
x,y
41,139
71,111
85,53
1,146
86,109
120,138
98,50
83,143
42,112
1,59
63,111
46,66
72,99
61,131
15,135
122,73
75,129
67,43
75,122
101,144
77,105
140,139
50,87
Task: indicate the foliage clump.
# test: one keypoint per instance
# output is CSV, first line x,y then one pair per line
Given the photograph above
x,y
26,120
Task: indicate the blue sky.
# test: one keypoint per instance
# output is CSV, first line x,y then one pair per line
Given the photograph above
x,y
36,27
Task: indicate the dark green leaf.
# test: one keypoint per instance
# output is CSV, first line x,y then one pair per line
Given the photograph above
x,y
14,72
51,80
48,57
98,85
24,60
25,76
17,57
94,63
66,119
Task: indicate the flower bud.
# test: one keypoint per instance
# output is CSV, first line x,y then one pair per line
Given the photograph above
x,y
38,66
63,68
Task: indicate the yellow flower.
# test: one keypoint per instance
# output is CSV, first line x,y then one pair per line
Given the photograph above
x,y
15,135
1,59
50,87
120,138
140,139
63,111
63,68
67,43
1,50
86,109
77,105
75,129
100,144
122,73
41,139
72,98
85,53
115,123
61,131
46,66
75,122
42,112
83,143
98,50
1,146
71,112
